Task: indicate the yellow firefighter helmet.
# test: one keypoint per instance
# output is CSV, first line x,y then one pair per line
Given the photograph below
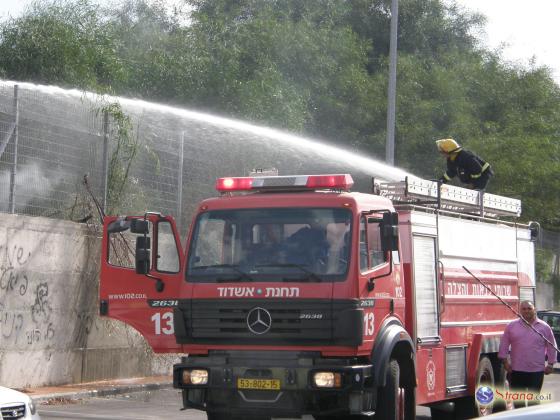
x,y
448,145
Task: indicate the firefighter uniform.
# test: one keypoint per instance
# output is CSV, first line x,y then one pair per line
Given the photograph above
x,y
470,168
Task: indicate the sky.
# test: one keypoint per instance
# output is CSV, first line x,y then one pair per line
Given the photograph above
x,y
525,29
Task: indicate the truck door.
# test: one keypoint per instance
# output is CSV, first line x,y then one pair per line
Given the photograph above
x,y
141,272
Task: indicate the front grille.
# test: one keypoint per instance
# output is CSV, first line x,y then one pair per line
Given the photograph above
x,y
293,322
229,320
16,411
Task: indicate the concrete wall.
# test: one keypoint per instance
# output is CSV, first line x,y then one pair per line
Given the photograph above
x,y
50,333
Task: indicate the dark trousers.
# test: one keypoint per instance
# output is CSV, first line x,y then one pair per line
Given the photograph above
x,y
481,183
526,382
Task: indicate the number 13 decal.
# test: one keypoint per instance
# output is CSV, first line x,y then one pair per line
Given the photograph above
x,y
163,323
369,326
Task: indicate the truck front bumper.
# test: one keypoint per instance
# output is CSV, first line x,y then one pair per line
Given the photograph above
x,y
276,383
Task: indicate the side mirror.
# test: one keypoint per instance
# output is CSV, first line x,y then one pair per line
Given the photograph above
x,y
119,225
142,254
535,230
390,232
139,226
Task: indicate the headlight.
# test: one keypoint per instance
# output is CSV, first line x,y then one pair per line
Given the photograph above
x,y
195,377
32,408
327,380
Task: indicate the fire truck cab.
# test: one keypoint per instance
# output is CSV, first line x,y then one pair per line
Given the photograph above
x,y
295,296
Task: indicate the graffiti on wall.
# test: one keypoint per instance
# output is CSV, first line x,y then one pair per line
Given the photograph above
x,y
12,278
25,308
41,311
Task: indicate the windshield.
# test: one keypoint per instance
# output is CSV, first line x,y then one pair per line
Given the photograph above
x,y
276,244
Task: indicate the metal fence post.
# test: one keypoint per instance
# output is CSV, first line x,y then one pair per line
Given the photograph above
x,y
13,172
105,158
180,185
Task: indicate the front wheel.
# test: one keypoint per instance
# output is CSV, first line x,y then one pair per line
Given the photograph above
x,y
395,402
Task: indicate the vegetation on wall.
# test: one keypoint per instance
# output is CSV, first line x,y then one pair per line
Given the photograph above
x,y
123,151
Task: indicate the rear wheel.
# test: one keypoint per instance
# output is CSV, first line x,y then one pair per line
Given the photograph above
x,y
436,414
217,416
472,407
502,383
485,377
226,416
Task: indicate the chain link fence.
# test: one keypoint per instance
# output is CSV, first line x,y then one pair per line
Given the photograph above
x,y
42,153
49,142
140,156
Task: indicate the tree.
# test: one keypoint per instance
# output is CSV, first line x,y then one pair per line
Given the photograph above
x,y
315,67
62,44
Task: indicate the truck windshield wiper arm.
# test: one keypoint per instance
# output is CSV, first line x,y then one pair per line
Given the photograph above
x,y
242,274
310,274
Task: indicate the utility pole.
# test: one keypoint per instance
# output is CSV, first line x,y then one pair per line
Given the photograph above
x,y
13,172
105,158
392,89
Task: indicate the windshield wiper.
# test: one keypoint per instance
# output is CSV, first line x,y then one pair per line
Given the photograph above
x,y
242,274
310,274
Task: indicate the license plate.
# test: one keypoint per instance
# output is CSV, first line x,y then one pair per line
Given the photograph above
x,y
267,384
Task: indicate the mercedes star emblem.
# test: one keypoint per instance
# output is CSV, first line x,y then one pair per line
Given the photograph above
x,y
259,320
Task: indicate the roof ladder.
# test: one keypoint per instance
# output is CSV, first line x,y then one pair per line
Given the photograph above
x,y
448,197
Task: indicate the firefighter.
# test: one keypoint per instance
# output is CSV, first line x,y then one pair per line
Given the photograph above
x,y
309,245
470,168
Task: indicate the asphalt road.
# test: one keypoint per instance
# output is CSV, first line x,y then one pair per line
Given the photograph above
x,y
166,404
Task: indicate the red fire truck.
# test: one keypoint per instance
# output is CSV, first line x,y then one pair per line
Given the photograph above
x,y
295,296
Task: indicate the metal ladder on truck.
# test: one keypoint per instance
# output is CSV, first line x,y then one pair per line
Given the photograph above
x,y
423,192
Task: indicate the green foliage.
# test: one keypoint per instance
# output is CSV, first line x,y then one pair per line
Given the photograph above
x,y
124,149
316,67
545,271
61,42
543,265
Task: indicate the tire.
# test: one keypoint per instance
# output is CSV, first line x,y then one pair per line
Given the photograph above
x,y
436,414
469,407
397,403
216,416
409,403
225,416
388,395
502,383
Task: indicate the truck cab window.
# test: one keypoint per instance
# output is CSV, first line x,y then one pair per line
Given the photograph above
x,y
167,252
271,244
209,242
122,248
371,254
